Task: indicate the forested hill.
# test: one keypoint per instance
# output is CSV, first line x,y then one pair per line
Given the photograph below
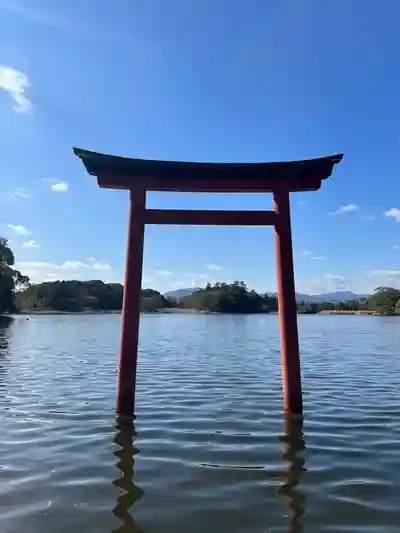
x,y
229,298
78,296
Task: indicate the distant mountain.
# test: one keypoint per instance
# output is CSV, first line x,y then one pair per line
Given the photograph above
x,y
181,293
338,296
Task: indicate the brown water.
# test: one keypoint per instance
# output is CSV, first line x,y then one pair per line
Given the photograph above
x,y
209,451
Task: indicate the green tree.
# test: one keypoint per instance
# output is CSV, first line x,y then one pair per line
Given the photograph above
x,y
385,300
11,279
74,296
226,298
326,306
308,308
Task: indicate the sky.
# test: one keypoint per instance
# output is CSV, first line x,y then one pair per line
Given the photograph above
x,y
210,80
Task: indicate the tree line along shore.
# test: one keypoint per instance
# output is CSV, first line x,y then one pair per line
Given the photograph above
x,y
99,297
17,294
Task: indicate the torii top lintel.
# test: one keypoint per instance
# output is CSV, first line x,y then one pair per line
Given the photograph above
x,y
124,173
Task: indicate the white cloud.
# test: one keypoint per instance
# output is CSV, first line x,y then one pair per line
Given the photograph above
x,y
394,212
39,271
364,283
100,265
211,266
334,278
330,282
385,272
77,265
18,229
385,277
15,84
164,273
312,255
31,244
18,192
60,186
348,208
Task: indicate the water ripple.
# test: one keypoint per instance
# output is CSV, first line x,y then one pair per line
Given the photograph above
x,y
210,448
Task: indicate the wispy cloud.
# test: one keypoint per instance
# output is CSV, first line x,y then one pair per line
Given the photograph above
x,y
33,14
385,277
330,282
164,273
93,264
71,269
394,212
312,255
18,192
59,19
336,279
15,83
31,244
18,229
381,277
363,283
386,272
60,186
348,208
211,266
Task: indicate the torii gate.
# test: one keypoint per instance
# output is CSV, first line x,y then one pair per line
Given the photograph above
x,y
139,176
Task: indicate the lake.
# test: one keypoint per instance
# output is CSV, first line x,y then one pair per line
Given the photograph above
x,y
209,450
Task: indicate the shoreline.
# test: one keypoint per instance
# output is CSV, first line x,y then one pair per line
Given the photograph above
x,y
363,312
26,312
166,311
46,312
54,312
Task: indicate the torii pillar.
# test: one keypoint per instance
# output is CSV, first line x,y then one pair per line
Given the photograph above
x,y
139,176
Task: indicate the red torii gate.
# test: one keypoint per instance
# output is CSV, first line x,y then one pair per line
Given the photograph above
x,y
140,176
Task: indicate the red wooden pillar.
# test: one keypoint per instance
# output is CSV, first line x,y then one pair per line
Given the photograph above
x,y
131,303
290,357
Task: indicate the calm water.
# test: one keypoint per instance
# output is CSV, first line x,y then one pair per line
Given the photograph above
x,y
209,450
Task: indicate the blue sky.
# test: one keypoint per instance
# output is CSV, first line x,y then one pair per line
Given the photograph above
x,y
206,80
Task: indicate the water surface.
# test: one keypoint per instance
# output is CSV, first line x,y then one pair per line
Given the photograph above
x,y
209,450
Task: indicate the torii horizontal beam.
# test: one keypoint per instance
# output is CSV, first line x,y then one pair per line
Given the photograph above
x,y
210,218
